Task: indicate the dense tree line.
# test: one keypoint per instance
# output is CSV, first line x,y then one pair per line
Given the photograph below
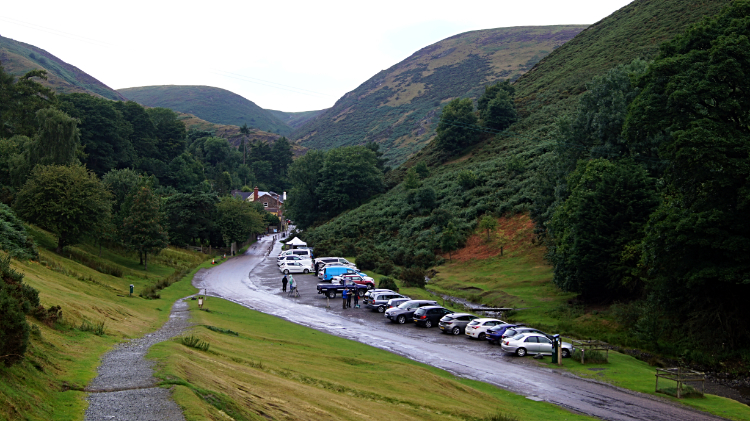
x,y
91,169
649,191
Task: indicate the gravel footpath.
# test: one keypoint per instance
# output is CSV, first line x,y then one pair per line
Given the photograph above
x,y
125,388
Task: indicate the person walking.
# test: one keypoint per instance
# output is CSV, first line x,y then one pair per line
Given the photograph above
x,y
344,295
356,299
284,280
292,284
349,298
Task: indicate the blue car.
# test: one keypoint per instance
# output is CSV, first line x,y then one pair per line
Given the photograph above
x,y
494,334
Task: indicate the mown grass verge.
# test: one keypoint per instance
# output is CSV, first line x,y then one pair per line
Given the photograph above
x,y
97,313
274,369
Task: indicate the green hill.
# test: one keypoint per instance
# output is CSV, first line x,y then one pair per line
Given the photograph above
x,y
296,120
17,58
398,107
504,168
208,103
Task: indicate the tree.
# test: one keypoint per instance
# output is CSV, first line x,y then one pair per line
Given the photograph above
x,y
697,241
238,220
348,178
457,127
500,112
487,223
13,237
20,100
492,91
143,137
57,140
411,181
282,159
105,134
594,230
142,228
170,132
303,205
190,216
449,239
69,201
245,131
215,150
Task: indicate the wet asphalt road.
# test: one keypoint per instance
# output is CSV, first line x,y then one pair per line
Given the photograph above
x,y
254,281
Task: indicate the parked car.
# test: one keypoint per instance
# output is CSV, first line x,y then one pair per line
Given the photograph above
x,y
379,301
455,323
495,333
429,316
298,252
321,262
395,302
534,343
477,328
293,258
509,333
330,272
304,266
369,293
357,278
405,311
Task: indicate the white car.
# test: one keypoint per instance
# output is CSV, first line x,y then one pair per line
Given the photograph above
x,y
534,343
296,267
294,258
477,328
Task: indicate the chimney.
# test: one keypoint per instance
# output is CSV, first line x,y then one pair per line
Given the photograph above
x,y
255,194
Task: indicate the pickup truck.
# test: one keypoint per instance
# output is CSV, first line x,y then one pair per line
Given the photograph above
x,y
330,290
357,278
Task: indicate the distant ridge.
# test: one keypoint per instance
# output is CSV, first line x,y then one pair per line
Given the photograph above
x,y
208,103
296,119
398,107
18,58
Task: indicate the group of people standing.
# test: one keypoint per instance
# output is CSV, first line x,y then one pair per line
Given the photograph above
x,y
290,281
347,294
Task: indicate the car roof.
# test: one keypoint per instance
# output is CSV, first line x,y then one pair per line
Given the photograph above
x,y
423,301
486,319
430,307
461,314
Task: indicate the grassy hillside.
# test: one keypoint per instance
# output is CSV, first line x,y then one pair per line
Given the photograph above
x,y
208,103
298,119
498,175
232,133
18,58
398,107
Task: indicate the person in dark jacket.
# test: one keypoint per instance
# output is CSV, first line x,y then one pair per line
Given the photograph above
x,y
349,299
356,299
283,283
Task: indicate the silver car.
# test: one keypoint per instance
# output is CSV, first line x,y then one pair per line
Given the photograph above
x,y
533,343
455,323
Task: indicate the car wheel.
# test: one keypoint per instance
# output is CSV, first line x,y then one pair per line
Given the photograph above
x,y
456,330
565,353
401,319
286,271
305,271
521,352
331,294
482,336
369,287
427,323
361,293
381,309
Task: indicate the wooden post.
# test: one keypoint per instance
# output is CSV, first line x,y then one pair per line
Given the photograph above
x,y
559,351
656,389
583,352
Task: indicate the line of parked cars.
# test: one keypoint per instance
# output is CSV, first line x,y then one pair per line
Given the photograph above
x,y
338,274
514,338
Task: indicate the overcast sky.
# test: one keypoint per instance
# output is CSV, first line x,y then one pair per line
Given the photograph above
x,y
283,55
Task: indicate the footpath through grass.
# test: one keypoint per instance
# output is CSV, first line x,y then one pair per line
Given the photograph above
x,y
261,367
63,356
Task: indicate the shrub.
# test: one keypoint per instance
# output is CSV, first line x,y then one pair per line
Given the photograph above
x,y
16,300
48,316
387,282
222,330
385,267
367,261
13,238
413,277
501,417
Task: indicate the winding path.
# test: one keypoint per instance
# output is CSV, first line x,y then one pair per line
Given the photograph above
x,y
125,388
